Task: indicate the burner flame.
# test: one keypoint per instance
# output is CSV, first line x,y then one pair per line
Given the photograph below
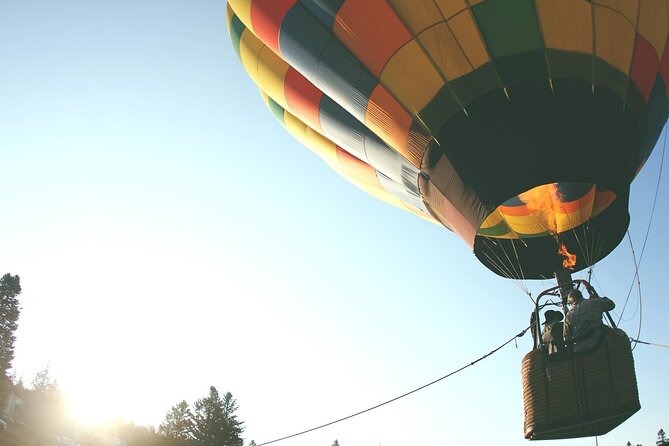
x,y
544,201
569,259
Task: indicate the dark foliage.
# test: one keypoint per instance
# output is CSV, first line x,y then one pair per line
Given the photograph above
x,y
10,288
662,439
214,421
178,425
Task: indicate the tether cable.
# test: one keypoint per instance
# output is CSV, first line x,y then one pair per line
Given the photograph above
x,y
638,341
401,396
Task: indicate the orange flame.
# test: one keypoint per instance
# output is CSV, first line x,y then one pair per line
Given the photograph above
x,y
569,258
545,201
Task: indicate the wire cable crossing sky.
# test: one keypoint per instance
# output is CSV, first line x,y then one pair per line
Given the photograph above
x,y
495,350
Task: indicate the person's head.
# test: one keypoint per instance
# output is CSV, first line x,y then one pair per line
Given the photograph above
x,y
574,297
553,316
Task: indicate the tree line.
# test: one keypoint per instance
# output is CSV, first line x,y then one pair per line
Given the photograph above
x,y
662,439
43,418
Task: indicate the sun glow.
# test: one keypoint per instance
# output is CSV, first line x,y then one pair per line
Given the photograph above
x,y
90,408
99,390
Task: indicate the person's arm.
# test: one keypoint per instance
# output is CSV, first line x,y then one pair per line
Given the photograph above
x,y
568,332
546,335
606,303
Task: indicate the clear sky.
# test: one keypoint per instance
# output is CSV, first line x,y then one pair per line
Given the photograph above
x,y
170,236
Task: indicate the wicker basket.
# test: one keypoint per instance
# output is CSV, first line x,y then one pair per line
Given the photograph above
x,y
581,394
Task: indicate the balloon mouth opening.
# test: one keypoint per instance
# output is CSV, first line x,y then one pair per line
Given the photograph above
x,y
547,210
581,224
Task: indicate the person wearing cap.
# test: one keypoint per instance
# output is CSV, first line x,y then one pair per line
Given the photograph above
x,y
551,336
584,320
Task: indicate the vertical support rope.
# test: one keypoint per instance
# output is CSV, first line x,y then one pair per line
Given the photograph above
x,y
637,265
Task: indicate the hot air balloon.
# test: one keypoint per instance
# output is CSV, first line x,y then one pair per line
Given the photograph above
x,y
517,124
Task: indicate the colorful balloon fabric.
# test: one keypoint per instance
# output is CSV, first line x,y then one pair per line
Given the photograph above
x,y
517,124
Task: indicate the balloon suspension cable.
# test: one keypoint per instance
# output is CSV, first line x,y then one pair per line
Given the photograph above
x,y
519,335
522,284
637,265
638,282
502,267
635,278
638,333
520,266
593,277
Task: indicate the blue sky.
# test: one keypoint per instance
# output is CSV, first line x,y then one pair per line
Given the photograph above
x,y
170,235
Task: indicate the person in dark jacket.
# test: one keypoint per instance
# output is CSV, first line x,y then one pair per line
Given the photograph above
x,y
552,334
584,319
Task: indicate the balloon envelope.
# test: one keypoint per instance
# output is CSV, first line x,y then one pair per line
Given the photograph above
x,y
517,124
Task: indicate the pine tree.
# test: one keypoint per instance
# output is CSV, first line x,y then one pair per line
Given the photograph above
x,y
235,427
214,421
10,288
178,424
662,439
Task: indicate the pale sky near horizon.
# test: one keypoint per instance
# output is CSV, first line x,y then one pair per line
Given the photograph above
x,y
170,236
